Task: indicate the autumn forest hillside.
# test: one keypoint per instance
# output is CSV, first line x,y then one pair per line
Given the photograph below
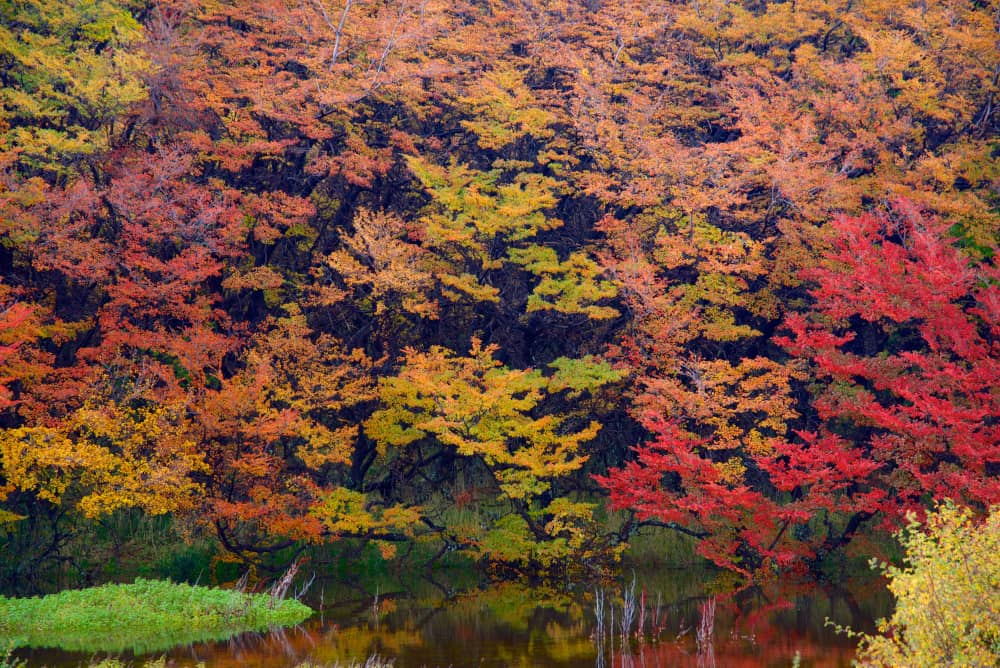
x,y
513,278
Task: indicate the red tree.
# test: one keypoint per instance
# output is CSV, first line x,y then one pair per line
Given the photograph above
x,y
902,345
904,339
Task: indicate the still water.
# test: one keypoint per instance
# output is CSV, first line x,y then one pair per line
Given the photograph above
x,y
687,617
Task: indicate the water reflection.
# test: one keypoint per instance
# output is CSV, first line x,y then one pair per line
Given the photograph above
x,y
668,618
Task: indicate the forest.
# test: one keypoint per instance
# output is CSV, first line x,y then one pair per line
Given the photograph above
x,y
512,279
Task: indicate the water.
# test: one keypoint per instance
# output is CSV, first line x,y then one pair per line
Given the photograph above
x,y
689,617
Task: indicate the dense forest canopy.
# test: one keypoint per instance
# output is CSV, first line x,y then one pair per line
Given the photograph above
x,y
475,272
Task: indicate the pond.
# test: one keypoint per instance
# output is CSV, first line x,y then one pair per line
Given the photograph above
x,y
688,617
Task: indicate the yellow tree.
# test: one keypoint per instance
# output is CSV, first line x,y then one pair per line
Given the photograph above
x,y
68,74
107,455
500,423
481,226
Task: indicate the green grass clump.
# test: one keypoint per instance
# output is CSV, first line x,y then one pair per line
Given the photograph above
x,y
144,617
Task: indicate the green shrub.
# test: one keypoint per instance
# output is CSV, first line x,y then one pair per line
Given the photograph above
x,y
144,617
947,595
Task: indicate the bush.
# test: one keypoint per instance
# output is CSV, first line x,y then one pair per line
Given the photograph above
x,y
947,595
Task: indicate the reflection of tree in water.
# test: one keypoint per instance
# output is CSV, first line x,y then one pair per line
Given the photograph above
x,y
631,635
746,626
679,619
706,634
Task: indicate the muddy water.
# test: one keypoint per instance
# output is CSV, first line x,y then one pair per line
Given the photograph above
x,y
675,618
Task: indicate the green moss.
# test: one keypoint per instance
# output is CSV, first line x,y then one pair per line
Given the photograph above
x,y
144,617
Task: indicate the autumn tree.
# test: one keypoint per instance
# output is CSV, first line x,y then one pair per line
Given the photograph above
x,y
901,347
474,409
902,341
711,406
70,75
284,449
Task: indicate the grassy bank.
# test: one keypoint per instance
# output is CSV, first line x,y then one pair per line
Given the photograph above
x,y
147,616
